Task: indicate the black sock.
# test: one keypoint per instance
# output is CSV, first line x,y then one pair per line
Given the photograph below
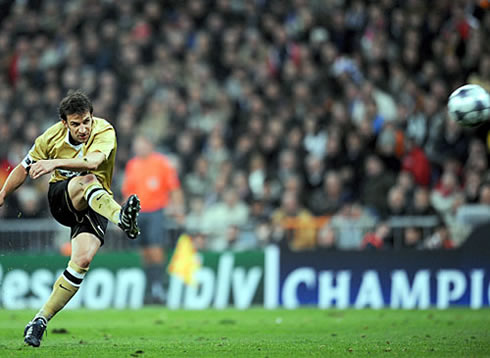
x,y
154,280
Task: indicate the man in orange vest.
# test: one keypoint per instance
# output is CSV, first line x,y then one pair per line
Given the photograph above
x,y
156,182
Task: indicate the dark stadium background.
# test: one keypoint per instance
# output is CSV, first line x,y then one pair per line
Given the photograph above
x,y
322,120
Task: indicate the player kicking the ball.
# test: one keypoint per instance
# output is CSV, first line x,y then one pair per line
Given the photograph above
x,y
79,152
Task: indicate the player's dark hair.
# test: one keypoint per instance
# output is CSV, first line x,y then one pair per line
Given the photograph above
x,y
76,102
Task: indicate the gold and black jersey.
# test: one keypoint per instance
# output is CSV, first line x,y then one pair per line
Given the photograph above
x,y
54,143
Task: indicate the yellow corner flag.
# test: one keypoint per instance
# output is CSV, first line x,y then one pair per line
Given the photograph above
x,y
184,262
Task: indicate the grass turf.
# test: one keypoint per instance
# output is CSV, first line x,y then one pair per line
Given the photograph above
x,y
158,332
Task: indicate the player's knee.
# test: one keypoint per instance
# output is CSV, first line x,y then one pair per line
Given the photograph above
x,y
79,184
83,260
77,187
88,179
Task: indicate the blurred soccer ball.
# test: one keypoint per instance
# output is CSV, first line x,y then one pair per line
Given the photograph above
x,y
469,105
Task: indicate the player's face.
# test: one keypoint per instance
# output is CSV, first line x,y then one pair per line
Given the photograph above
x,y
80,126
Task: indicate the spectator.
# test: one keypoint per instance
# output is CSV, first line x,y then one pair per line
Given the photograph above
x,y
313,173
350,225
386,147
406,182
456,224
415,161
256,232
376,240
326,238
315,138
29,203
216,154
329,199
194,221
334,157
479,213
472,183
239,182
218,190
477,157
443,195
354,161
440,239
412,238
451,143
293,225
375,185
288,165
397,205
421,205
186,151
221,219
198,182
243,151
257,175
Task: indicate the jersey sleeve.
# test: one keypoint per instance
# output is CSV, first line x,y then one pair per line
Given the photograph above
x,y
104,142
39,151
172,177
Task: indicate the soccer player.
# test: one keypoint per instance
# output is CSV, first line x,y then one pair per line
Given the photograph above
x,y
152,177
79,152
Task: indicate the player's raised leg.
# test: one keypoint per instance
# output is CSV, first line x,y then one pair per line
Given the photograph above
x,y
84,248
86,190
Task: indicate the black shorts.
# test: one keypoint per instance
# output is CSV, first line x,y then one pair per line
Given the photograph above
x,y
153,229
79,221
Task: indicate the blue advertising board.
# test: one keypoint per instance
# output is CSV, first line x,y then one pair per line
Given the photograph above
x,y
400,279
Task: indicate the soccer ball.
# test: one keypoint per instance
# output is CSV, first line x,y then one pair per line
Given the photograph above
x,y
469,105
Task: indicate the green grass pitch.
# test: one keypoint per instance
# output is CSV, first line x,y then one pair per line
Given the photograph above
x,y
159,332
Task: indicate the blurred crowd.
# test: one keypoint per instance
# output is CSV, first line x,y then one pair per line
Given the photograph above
x,y
308,123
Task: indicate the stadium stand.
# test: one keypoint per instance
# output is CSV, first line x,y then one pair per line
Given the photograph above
x,y
276,113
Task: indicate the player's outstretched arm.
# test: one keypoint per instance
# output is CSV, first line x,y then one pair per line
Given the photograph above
x,y
89,162
15,179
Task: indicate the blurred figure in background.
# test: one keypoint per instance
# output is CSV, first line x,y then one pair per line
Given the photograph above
x,y
326,238
256,232
151,175
293,225
194,220
198,181
29,203
416,162
223,218
475,214
376,183
375,240
328,199
443,195
421,205
440,239
396,202
412,238
351,224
